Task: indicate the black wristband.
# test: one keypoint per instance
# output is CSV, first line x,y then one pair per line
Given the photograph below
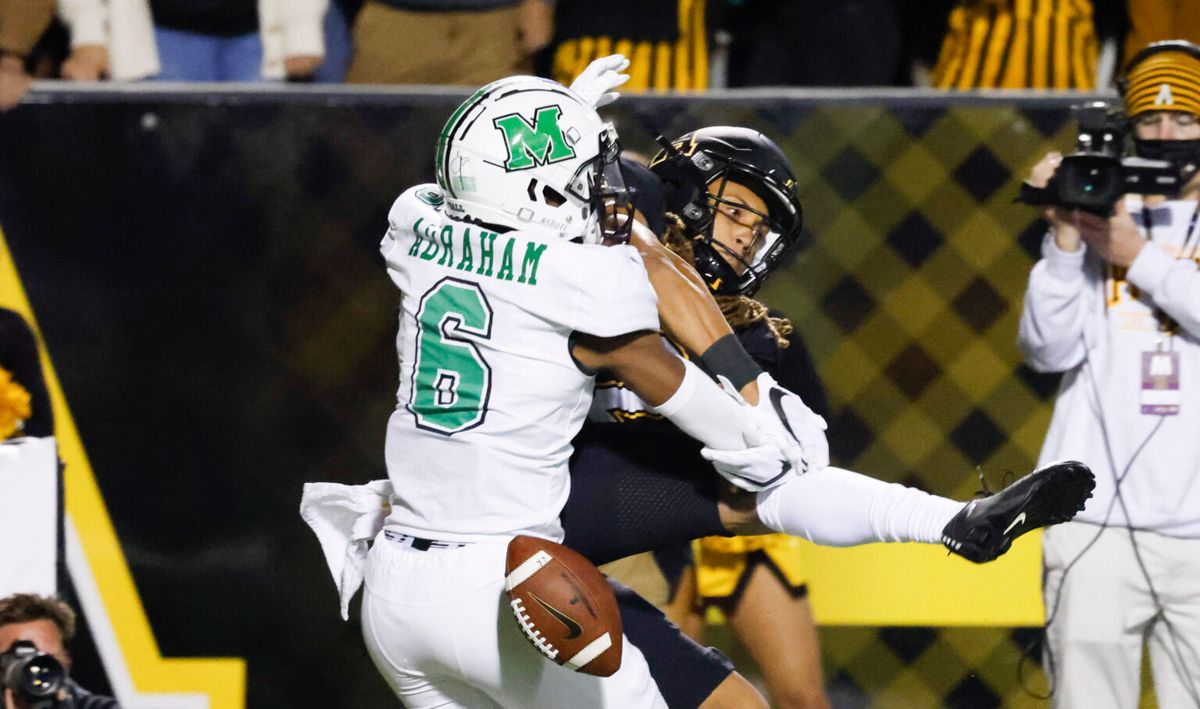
x,y
728,358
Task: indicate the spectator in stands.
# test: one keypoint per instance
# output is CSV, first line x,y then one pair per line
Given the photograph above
x,y
339,42
812,42
21,380
183,40
109,40
22,22
1018,44
665,41
49,624
467,42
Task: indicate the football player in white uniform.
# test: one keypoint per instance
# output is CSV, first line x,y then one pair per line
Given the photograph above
x,y
510,302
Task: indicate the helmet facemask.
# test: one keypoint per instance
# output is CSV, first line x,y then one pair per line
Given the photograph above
x,y
733,272
599,184
695,170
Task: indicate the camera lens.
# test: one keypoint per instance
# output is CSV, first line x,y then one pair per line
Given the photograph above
x,y
1090,182
37,677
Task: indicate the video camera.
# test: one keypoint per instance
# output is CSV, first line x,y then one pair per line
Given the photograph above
x,y
34,677
1096,175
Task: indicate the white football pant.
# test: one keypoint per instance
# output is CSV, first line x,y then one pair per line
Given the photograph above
x,y
439,628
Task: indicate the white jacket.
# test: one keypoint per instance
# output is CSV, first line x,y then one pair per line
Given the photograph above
x,y
289,28
1079,320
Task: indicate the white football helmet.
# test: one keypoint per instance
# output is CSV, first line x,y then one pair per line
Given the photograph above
x,y
530,154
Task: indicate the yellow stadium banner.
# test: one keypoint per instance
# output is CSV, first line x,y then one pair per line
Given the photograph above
x,y
919,584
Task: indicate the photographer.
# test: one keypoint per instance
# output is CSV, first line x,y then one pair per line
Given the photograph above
x,y
1114,303
47,623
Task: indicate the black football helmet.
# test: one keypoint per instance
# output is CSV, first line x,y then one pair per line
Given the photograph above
x,y
689,165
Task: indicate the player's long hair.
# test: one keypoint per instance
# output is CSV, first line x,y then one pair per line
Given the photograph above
x,y
739,310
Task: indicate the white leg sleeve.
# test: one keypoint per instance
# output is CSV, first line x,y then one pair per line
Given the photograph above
x,y
840,508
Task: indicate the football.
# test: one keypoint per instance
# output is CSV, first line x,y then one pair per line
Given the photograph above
x,y
563,605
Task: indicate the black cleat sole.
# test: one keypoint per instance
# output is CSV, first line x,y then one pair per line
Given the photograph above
x,y
1049,495
1062,495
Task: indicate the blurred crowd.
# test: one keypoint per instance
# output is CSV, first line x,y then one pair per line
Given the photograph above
x,y
673,44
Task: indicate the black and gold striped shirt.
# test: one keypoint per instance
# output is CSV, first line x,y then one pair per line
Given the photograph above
x,y
665,41
1019,44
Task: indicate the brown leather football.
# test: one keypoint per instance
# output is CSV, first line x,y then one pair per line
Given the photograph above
x,y
563,606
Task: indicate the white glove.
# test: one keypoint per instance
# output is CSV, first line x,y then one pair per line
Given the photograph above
x,y
755,468
770,457
781,410
596,83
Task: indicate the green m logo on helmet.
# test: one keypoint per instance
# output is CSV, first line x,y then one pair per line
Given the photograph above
x,y
532,144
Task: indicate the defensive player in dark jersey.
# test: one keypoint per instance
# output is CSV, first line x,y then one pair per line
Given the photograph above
x,y
722,243
757,581
637,487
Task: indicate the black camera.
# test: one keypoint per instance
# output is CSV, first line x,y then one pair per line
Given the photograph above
x,y
1096,175
34,677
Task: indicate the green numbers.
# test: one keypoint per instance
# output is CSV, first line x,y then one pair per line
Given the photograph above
x,y
451,380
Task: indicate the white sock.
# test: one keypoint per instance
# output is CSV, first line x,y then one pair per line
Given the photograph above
x,y
840,508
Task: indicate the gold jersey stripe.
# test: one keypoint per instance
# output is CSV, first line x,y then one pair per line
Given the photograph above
x,y
1017,69
699,46
976,39
681,74
951,56
1041,43
641,62
1080,42
680,64
662,65
604,47
997,50
1018,44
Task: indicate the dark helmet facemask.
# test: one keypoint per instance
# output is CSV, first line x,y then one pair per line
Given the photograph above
x,y
601,184
733,273
691,164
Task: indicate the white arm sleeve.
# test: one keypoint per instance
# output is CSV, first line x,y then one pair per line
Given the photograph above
x,y
700,409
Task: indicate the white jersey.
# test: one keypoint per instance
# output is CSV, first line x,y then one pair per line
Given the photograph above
x,y
1099,325
489,395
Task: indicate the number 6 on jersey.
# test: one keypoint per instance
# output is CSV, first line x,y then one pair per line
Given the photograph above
x,y
451,380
